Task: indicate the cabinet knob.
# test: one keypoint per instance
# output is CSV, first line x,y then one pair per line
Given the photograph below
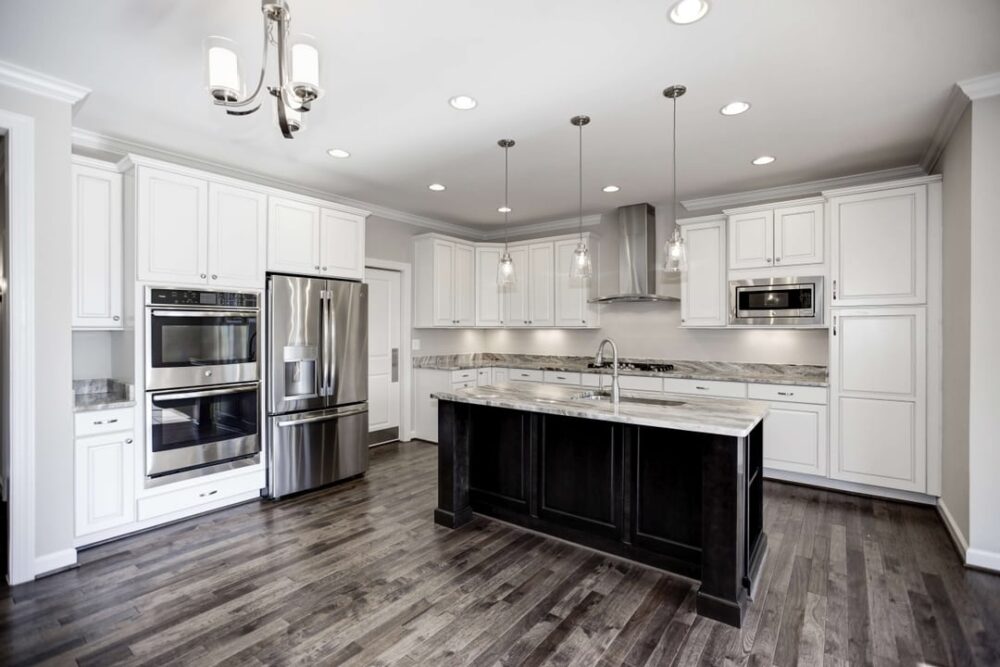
x,y
324,268
215,277
768,260
204,275
116,318
584,321
128,441
777,259
316,267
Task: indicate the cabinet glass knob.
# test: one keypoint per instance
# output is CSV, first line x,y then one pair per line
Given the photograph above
x,y
204,276
116,318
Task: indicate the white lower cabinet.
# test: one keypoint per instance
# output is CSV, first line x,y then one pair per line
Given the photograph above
x,y
199,497
105,482
795,438
501,375
427,381
484,376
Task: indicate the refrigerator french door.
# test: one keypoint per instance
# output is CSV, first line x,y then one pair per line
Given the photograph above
x,y
317,382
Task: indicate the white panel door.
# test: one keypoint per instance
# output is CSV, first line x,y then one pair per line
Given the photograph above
x,y
878,405
751,240
879,248
703,285
488,302
383,349
795,436
465,285
541,310
572,309
798,235
97,248
342,244
105,482
292,237
516,296
172,227
443,284
237,236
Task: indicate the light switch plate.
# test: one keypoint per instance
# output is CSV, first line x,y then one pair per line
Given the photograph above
x,y
414,344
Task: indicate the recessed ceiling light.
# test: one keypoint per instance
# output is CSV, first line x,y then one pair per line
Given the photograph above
x,y
610,188
688,11
338,153
504,209
764,159
463,102
436,187
735,108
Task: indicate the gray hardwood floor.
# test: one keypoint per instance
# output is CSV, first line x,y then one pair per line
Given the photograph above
x,y
359,574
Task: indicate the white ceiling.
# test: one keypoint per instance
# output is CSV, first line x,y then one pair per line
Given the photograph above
x,y
838,87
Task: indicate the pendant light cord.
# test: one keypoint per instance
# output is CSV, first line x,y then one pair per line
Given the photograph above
x,y
675,166
581,181
506,190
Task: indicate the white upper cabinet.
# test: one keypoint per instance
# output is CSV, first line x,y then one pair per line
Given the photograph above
x,y
542,285
517,296
342,244
703,285
465,285
237,230
97,245
444,287
879,247
171,227
572,294
292,236
783,235
488,298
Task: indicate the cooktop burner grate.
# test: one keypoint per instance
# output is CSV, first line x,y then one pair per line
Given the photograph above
x,y
636,366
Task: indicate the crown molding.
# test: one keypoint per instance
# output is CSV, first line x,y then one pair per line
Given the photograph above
x,y
958,100
37,83
875,187
979,87
124,147
542,227
766,207
799,189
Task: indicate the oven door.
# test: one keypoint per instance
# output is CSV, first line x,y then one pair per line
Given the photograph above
x,y
192,429
776,302
188,347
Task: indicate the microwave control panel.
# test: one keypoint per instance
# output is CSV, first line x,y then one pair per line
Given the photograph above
x,y
193,297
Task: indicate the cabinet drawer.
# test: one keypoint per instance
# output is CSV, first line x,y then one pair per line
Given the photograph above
x,y
638,382
522,375
787,393
558,377
202,494
462,385
464,376
96,422
705,387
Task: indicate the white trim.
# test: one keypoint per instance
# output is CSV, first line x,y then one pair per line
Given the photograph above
x,y
405,340
542,227
57,560
878,187
979,87
800,189
21,408
980,558
37,83
849,487
715,217
957,102
935,337
957,538
767,207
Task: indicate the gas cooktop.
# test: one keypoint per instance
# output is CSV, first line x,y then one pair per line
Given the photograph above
x,y
635,366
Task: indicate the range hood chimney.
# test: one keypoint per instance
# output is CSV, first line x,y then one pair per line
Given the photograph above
x,y
636,257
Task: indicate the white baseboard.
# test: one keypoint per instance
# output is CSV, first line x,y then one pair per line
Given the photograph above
x,y
957,537
980,558
849,487
57,560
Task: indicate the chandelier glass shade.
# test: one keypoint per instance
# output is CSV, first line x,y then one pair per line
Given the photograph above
x,y
505,268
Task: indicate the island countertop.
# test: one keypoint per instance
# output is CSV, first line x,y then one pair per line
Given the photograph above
x,y
720,416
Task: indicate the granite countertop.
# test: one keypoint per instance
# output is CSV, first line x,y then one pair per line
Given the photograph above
x,y
725,371
102,394
720,416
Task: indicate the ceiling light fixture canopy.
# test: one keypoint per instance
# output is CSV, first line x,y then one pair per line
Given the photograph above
x,y
688,11
676,253
297,86
581,268
505,268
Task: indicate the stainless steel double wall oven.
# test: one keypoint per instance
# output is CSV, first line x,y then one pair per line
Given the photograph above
x,y
202,382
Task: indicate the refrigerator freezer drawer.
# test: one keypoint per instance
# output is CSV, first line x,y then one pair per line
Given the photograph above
x,y
311,449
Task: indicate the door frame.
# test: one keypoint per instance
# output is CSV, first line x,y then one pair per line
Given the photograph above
x,y
405,335
20,133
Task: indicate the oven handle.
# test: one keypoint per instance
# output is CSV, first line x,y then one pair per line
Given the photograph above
x,y
322,418
205,313
208,392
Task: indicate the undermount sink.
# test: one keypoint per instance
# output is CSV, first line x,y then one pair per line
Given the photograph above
x,y
643,400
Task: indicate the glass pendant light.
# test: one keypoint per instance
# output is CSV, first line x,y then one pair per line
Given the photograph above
x,y
676,254
580,269
505,269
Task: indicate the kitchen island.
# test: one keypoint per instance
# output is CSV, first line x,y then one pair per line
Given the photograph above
x,y
670,481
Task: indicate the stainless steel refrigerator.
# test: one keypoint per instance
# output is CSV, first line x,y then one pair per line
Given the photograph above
x,y
317,382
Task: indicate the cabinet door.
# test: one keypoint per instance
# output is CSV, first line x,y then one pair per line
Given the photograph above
x,y
795,436
751,240
484,376
879,248
570,293
342,244
443,284
798,235
292,237
172,227
465,285
105,482
97,248
487,291
541,310
515,297
703,285
878,397
237,233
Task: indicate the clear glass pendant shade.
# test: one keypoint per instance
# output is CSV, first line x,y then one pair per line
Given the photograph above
x,y
222,69
580,269
676,254
505,270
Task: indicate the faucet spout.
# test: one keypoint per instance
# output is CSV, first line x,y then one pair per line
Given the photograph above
x,y
599,360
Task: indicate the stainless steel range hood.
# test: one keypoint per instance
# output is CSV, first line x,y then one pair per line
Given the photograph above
x,y
636,257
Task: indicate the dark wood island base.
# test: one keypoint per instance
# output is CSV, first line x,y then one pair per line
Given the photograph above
x,y
685,502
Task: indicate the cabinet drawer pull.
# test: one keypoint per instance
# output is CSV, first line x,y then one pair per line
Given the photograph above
x,y
834,290
560,377
786,393
210,493
701,388
98,422
113,421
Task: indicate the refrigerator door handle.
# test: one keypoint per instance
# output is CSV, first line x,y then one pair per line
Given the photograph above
x,y
323,418
332,349
324,389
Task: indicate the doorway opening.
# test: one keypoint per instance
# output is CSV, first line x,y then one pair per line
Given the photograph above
x,y
388,353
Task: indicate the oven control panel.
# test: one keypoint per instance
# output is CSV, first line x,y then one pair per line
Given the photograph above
x,y
193,297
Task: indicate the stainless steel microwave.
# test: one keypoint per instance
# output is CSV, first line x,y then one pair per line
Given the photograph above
x,y
796,301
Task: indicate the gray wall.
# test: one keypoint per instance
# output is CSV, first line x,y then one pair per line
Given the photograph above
x,y
955,166
53,307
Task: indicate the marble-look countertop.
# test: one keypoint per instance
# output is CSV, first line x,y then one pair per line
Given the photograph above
x,y
725,371
102,394
720,416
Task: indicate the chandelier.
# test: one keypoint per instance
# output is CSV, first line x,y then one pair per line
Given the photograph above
x,y
297,86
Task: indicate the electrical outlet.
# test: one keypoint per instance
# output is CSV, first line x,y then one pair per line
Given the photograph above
x,y
414,344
